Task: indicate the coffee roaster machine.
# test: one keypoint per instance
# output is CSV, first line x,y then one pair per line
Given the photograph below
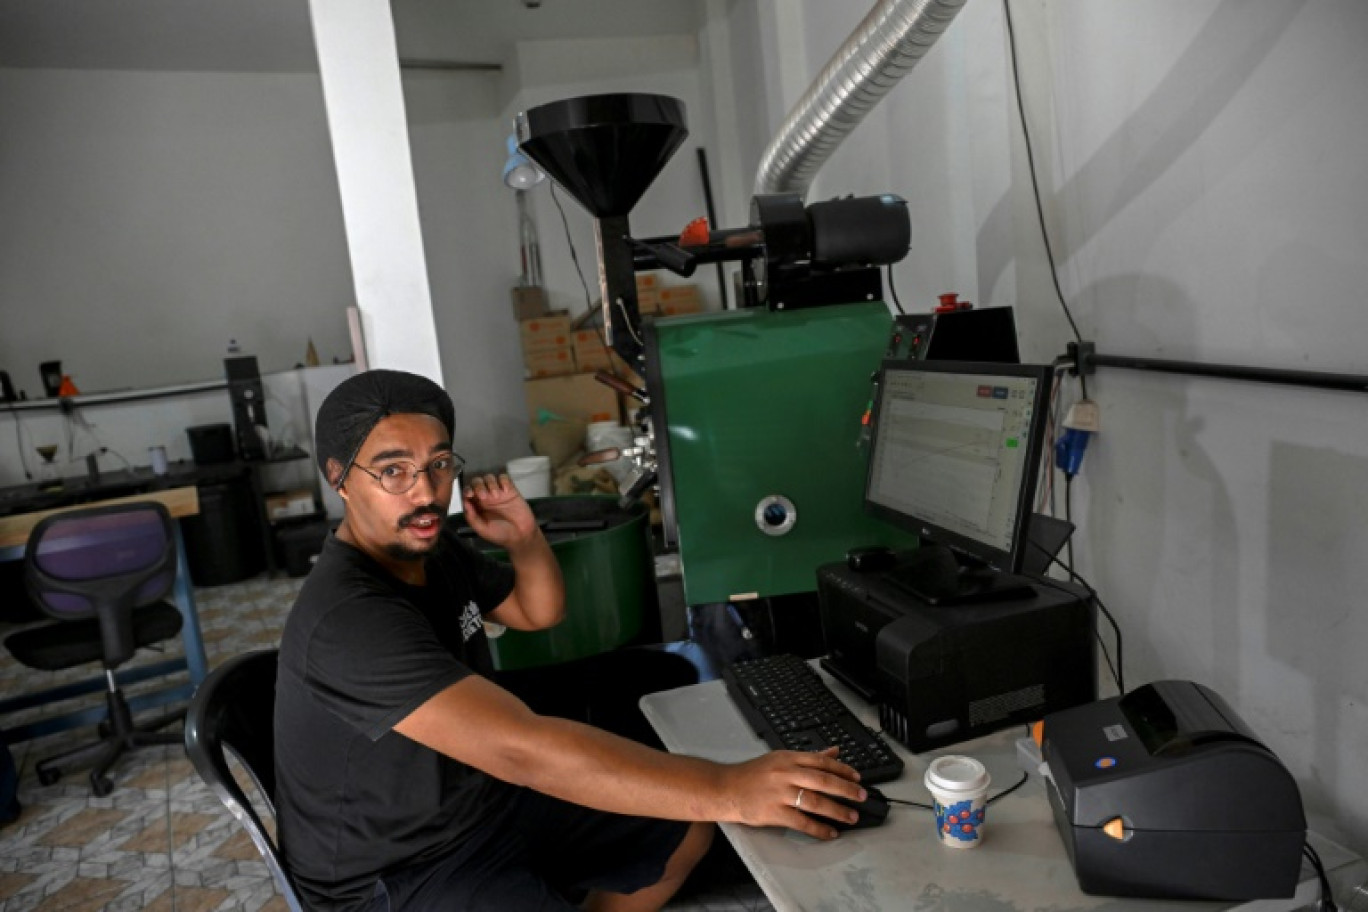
x,y
753,426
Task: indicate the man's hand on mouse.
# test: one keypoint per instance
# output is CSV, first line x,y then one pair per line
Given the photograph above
x,y
776,789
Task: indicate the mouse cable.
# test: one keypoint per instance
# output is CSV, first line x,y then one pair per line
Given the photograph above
x,y
1327,901
1117,671
1002,794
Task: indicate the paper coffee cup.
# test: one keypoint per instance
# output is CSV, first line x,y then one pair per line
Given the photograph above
x,y
157,456
959,786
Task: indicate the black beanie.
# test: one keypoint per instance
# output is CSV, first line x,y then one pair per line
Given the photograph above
x,y
352,410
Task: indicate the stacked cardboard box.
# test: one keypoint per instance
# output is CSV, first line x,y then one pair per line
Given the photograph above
x,y
556,387
546,346
561,358
679,299
669,300
578,397
529,302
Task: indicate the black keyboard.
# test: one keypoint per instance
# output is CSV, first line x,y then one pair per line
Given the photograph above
x,y
789,705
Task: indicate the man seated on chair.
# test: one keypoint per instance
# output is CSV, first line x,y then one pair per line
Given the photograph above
x,y
407,779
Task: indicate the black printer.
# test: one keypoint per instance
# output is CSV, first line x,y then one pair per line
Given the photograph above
x,y
945,674
1165,793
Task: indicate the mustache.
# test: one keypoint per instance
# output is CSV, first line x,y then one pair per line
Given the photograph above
x,y
427,509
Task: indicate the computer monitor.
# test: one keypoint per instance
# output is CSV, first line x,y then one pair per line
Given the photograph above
x,y
956,449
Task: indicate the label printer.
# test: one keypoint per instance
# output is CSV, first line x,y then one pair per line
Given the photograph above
x,y
1166,793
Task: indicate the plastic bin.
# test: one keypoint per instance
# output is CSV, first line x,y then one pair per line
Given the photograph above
x,y
299,543
223,541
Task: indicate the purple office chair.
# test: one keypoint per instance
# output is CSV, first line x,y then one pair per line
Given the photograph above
x,y
102,572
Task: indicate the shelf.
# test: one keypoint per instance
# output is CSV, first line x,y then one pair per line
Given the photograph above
x,y
114,398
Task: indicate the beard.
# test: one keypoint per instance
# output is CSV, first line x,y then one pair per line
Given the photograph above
x,y
400,551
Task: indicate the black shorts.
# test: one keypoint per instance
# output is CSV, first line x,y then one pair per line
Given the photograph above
x,y
543,854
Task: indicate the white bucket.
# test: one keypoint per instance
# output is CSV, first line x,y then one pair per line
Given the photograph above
x,y
602,435
531,475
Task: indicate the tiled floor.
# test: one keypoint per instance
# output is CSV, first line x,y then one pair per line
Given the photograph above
x,y
161,841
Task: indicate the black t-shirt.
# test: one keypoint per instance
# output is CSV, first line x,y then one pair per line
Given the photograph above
x,y
361,650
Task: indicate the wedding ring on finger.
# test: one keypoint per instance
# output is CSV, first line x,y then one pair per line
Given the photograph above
x,y
798,802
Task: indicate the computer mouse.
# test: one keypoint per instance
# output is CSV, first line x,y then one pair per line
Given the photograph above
x,y
873,811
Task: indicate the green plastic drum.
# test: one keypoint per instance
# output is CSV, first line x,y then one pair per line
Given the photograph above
x,y
606,559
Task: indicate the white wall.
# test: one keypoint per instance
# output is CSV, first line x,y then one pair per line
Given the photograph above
x,y
468,219
150,217
120,433
1204,192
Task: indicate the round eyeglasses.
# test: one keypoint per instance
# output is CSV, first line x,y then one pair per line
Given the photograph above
x,y
399,477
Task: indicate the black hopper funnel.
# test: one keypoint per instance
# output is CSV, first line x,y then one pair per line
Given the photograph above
x,y
606,150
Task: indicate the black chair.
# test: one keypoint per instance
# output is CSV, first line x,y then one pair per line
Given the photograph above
x,y
102,572
233,710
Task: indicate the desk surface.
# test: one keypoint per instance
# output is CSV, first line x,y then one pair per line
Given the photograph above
x,y
14,530
1022,864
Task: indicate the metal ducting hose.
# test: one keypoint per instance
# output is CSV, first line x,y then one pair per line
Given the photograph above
x,y
888,43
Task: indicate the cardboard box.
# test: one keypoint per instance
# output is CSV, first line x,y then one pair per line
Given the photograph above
x,y
577,396
590,360
680,306
289,503
679,299
541,333
648,301
529,302
590,352
671,293
647,281
549,362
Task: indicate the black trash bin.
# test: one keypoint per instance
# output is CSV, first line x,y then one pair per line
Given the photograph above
x,y
298,543
223,541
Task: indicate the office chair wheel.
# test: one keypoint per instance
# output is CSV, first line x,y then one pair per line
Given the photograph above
x,y
48,776
101,785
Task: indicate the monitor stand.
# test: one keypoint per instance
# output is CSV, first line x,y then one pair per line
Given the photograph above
x,y
941,576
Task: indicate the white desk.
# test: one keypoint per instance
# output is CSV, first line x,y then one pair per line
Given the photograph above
x,y
1021,865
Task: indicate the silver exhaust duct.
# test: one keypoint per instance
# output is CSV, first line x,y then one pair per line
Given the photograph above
x,y
884,48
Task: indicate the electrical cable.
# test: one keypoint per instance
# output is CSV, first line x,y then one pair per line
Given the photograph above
x,y
1068,512
1002,794
1106,656
627,322
1327,900
1118,671
893,290
1051,424
1035,183
19,442
574,256
588,299
104,449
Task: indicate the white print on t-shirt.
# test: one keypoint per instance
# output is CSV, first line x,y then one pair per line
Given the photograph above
x,y
470,620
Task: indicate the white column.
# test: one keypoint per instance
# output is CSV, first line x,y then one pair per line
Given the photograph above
x,y
359,66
